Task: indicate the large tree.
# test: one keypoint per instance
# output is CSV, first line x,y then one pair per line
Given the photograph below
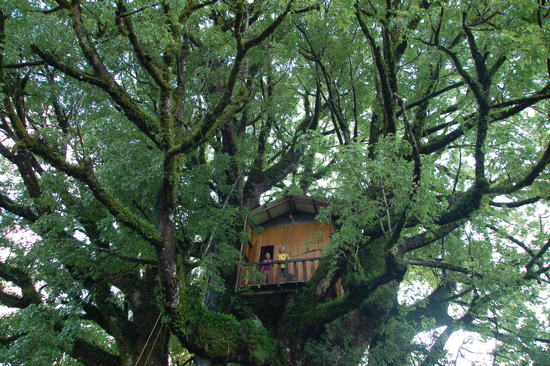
x,y
137,135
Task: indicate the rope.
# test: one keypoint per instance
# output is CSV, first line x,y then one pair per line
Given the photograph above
x,y
147,342
205,251
153,346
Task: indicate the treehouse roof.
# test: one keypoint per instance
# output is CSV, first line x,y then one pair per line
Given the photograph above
x,y
288,204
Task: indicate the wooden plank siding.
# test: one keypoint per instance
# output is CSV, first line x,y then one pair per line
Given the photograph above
x,y
301,241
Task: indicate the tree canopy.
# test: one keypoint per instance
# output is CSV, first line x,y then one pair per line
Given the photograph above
x,y
136,136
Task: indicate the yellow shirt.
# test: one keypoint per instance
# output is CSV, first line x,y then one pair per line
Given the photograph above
x,y
283,257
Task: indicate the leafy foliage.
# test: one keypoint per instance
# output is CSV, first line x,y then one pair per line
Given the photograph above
x,y
136,136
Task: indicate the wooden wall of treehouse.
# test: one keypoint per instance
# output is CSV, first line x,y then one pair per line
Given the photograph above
x,y
301,235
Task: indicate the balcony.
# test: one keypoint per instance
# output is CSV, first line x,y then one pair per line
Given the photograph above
x,y
252,275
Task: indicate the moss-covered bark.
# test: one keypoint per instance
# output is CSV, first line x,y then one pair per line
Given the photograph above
x,y
222,338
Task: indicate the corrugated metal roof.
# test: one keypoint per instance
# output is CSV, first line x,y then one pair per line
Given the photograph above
x,y
292,202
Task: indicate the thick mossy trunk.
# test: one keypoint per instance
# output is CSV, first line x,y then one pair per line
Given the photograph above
x,y
142,336
343,341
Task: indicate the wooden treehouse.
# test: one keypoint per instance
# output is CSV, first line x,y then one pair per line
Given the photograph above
x,y
289,223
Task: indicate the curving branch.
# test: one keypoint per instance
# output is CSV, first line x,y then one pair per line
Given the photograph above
x,y
431,96
429,237
383,73
519,243
17,209
124,22
516,204
441,265
140,118
85,174
268,31
221,114
531,274
129,259
90,354
529,178
29,295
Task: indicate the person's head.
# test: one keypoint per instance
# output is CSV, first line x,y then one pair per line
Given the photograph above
x,y
267,256
281,249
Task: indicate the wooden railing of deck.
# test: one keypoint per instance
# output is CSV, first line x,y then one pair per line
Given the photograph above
x,y
298,270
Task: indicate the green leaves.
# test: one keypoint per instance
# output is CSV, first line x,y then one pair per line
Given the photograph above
x,y
378,107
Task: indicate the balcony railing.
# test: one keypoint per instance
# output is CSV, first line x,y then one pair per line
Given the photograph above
x,y
297,270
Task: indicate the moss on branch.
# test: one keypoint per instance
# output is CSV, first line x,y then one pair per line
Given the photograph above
x,y
221,337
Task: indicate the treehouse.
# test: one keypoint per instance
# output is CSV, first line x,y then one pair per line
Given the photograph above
x,y
287,224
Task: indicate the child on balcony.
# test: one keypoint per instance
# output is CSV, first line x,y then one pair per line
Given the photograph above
x,y
267,267
282,256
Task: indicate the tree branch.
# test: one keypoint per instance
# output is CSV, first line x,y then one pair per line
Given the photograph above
x,y
432,264
529,266
85,174
514,240
145,60
141,119
21,279
129,259
269,30
428,237
529,178
90,354
20,210
24,64
431,96
516,204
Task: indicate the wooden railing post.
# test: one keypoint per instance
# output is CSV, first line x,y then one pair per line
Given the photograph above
x,y
239,279
292,273
287,267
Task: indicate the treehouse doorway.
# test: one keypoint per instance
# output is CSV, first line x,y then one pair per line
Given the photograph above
x,y
266,249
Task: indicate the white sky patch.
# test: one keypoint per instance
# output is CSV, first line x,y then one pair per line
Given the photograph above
x,y
19,237
466,348
414,292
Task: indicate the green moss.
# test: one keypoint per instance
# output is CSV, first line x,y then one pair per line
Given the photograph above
x,y
221,335
327,351
463,207
238,305
218,334
264,349
303,313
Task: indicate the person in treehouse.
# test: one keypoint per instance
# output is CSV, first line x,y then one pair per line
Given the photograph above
x,y
267,267
282,256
